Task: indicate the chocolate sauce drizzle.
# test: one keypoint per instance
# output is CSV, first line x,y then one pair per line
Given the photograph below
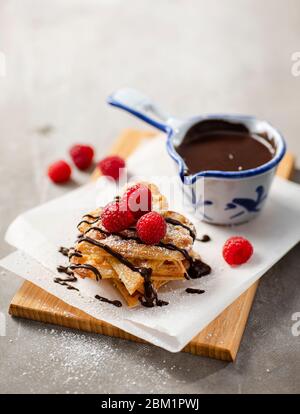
x,y
178,223
87,222
102,231
197,268
65,281
69,252
192,290
204,239
69,269
160,302
143,271
150,295
116,303
75,253
88,267
66,270
91,216
64,251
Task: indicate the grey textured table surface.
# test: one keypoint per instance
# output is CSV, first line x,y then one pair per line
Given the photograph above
x,y
61,60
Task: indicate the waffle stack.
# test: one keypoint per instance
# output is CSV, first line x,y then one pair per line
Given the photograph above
x,y
136,270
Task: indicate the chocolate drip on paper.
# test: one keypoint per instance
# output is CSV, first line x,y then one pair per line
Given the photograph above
x,y
65,281
204,239
64,251
192,290
65,269
116,303
62,283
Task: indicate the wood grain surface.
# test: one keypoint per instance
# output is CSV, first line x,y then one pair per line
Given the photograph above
x,y
220,339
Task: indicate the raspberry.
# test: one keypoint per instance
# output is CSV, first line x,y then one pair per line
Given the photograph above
x,y
237,250
116,217
151,228
111,166
59,172
82,156
138,199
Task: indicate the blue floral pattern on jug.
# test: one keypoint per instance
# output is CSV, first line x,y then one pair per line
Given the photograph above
x,y
248,205
204,204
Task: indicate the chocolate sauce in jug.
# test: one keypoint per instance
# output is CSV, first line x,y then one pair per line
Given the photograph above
x,y
223,146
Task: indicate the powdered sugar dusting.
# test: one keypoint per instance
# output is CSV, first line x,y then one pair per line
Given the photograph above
x,y
79,362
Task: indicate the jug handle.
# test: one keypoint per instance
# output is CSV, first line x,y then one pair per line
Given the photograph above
x,y
143,108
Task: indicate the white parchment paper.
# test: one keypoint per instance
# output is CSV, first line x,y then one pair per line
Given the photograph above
x,y
38,233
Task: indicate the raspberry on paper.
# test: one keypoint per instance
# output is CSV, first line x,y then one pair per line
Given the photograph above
x,y
237,250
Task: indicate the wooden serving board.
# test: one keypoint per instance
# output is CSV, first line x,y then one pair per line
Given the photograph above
x,y
220,339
